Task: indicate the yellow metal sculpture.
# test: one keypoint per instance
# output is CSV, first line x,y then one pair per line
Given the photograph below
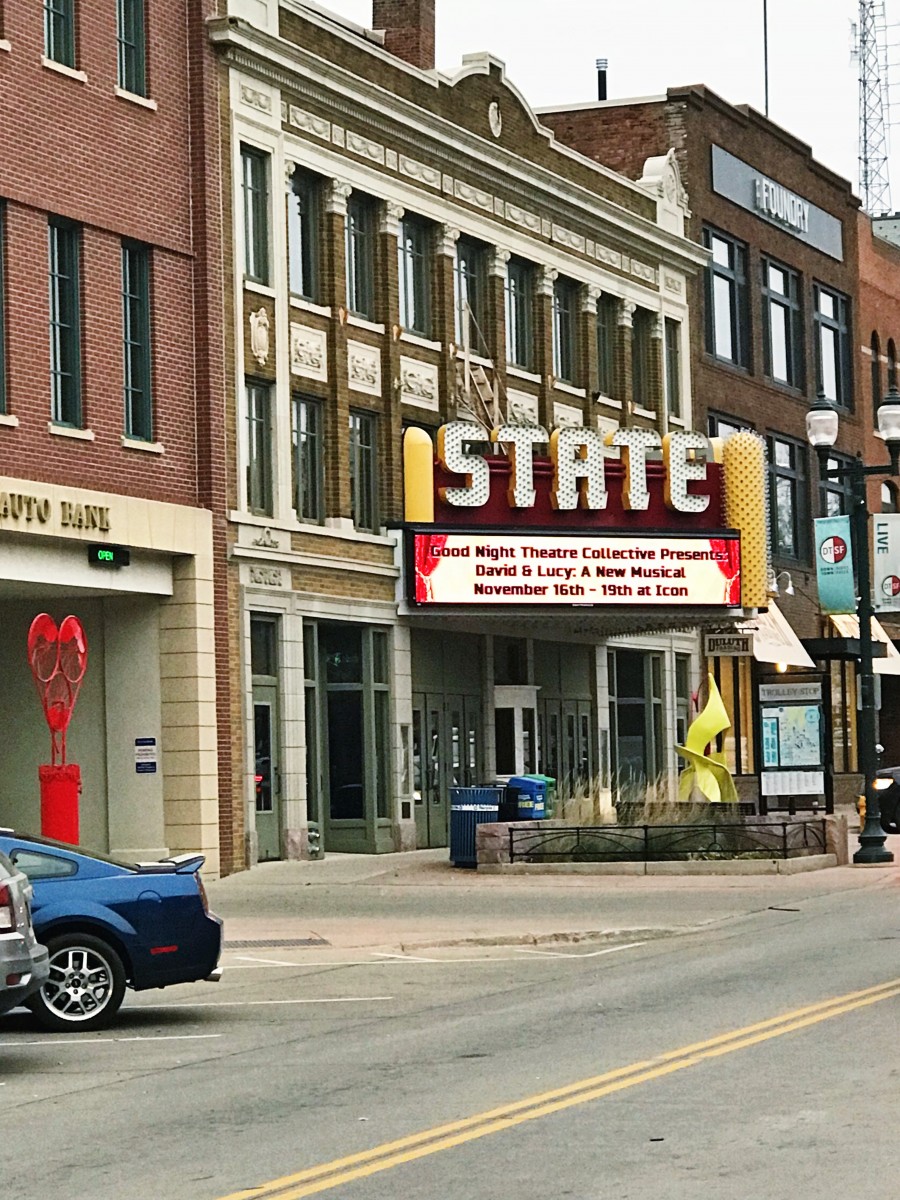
x,y
706,773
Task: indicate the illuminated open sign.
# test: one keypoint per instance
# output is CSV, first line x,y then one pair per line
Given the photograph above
x,y
108,556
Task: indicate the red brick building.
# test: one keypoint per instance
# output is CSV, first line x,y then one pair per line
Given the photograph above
x,y
109,372
774,317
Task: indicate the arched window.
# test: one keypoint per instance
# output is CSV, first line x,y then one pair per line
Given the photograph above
x,y
889,501
876,375
892,364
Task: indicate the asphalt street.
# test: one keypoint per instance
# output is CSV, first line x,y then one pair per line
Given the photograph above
x,y
750,1055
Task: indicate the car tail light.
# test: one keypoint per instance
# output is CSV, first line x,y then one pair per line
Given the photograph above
x,y
202,890
7,909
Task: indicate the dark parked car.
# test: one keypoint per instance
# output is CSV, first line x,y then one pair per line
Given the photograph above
x,y
109,925
889,800
24,964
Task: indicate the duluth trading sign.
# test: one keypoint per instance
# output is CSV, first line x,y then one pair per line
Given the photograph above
x,y
577,526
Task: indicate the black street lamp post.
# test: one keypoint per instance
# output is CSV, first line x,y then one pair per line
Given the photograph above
x,y
822,430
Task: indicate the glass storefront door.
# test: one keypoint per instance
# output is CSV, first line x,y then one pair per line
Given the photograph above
x,y
447,753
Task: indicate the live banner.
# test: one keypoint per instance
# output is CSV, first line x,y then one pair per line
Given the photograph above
x,y
834,565
886,527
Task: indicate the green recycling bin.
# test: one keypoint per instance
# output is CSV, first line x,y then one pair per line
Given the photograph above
x,y
550,793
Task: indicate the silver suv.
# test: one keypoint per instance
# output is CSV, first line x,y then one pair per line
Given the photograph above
x,y
24,964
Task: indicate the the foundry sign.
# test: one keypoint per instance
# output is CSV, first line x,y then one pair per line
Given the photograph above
x,y
24,510
744,185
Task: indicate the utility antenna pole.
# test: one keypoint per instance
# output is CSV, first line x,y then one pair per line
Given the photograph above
x,y
870,51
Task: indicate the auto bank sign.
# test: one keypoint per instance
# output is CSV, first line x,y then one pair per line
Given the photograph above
x,y
568,517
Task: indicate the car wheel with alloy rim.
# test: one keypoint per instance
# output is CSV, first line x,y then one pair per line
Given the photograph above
x,y
85,987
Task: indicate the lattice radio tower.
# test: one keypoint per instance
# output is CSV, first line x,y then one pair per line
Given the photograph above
x,y
870,51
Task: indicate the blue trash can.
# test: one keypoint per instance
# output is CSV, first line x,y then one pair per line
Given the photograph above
x,y
528,796
469,808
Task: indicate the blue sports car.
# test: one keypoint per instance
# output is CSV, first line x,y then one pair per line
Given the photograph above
x,y
110,924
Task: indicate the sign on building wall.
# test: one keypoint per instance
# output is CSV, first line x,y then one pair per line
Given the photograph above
x,y
771,201
543,568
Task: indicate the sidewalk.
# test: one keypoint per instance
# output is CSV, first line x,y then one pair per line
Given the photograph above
x,y
417,899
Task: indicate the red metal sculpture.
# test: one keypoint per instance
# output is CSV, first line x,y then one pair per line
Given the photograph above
x,y
58,660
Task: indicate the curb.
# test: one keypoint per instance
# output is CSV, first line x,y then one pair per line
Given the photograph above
x,y
766,866
542,939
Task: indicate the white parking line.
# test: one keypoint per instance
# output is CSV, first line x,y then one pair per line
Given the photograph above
x,y
404,957
587,954
270,962
259,1003
49,1040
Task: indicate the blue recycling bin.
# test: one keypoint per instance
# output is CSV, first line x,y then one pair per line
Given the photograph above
x,y
527,796
469,808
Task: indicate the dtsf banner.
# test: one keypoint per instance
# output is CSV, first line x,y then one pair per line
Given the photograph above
x,y
887,561
834,565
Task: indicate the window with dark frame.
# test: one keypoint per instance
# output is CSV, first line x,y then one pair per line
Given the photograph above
x,y
469,293
607,323
59,31
65,323
641,349
727,301
308,459
673,366
132,46
414,253
519,299
831,318
259,448
304,237
891,364
783,352
788,498
136,341
722,426
565,329
255,175
360,254
836,494
875,346
363,470
889,501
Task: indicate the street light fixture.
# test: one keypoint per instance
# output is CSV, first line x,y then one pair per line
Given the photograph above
x,y
822,432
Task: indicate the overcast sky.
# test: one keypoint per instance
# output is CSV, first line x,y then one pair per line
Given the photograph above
x,y
550,46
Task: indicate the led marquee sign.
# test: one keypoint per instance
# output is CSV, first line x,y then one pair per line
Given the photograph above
x,y
451,567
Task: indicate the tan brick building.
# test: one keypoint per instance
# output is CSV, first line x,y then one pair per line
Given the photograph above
x,y
409,248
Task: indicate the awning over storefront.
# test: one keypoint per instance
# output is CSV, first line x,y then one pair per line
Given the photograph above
x,y
774,641
847,626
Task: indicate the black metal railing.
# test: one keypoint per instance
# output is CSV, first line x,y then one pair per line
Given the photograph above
x,y
658,843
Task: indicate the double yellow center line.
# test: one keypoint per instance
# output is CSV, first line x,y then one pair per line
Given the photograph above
x,y
444,1137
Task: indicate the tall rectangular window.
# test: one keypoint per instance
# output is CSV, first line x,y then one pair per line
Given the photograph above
x,y
136,341
304,237
837,494
788,498
414,253
65,324
308,459
641,350
363,474
565,329
131,40
782,324
673,367
727,311
361,255
607,320
3,408
519,306
470,294
255,176
259,448
59,31
832,324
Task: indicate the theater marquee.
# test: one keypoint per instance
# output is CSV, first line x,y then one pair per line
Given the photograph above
x,y
455,568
